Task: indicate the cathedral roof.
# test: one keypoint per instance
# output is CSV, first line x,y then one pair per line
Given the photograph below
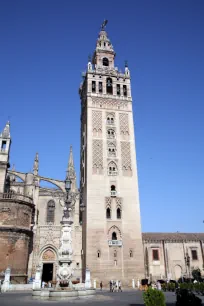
x,y
173,236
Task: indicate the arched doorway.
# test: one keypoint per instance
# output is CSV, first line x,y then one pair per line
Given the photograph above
x,y
48,260
177,272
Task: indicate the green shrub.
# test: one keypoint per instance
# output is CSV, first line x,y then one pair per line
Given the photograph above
x,y
202,288
187,298
154,297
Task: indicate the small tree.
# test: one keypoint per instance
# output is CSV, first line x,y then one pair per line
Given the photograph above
x,y
154,297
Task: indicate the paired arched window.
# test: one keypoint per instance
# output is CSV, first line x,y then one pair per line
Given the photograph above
x,y
50,211
118,213
108,213
109,86
111,150
114,236
111,134
105,61
112,168
110,119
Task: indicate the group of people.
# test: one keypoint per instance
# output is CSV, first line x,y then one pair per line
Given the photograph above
x,y
115,286
46,285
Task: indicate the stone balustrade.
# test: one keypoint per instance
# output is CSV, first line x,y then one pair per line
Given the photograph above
x,y
15,196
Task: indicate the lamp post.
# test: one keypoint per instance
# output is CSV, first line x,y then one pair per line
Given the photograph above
x,y
65,252
187,262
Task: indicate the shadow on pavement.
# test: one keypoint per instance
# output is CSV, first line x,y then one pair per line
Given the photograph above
x,y
168,304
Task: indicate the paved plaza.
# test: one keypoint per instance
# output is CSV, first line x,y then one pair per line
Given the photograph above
x,y
126,298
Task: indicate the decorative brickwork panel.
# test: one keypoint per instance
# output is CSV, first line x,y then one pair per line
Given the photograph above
x,y
108,201
97,150
109,103
97,123
126,158
124,125
119,202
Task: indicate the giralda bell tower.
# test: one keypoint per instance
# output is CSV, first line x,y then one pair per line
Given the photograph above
x,y
111,228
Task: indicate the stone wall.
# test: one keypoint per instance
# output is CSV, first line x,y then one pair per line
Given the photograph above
x,y
16,213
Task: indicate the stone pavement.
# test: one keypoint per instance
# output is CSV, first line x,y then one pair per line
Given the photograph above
x,y
126,298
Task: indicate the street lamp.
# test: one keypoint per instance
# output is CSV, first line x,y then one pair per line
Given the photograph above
x,y
68,183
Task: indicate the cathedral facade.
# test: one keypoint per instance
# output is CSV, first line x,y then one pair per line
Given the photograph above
x,y
107,236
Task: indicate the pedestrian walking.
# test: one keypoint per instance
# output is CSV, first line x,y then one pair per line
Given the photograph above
x,y
101,285
119,286
111,286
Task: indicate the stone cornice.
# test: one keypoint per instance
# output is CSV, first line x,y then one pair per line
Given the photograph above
x,y
19,230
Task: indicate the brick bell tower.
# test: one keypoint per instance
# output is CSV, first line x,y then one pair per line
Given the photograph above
x,y
111,240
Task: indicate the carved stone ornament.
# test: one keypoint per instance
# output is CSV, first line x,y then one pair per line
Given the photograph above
x,y
48,255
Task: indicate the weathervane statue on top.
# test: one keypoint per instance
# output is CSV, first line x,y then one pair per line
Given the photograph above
x,y
104,25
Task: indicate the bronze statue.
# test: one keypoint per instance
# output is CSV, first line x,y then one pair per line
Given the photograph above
x,y
104,25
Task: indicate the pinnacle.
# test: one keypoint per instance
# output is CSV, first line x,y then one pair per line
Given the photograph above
x,y
6,131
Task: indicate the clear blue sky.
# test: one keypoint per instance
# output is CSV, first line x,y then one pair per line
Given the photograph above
x,y
44,47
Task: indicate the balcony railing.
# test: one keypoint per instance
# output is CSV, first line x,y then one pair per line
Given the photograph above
x,y
16,196
110,136
112,172
113,193
3,150
111,154
115,242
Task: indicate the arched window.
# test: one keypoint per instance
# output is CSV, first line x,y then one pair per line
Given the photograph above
x,y
131,253
112,169
109,86
105,60
111,149
50,211
118,213
113,191
108,213
98,254
114,236
110,119
111,134
115,253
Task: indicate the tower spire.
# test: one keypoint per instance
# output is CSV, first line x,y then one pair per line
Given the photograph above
x,y
70,173
6,131
36,165
104,53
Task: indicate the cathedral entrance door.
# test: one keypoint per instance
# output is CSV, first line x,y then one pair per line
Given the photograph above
x,y
47,274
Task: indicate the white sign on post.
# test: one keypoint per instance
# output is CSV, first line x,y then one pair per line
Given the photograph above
x,y
88,279
6,283
37,281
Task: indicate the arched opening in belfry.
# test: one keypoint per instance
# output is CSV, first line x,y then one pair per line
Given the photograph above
x,y
118,213
109,86
105,61
108,213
